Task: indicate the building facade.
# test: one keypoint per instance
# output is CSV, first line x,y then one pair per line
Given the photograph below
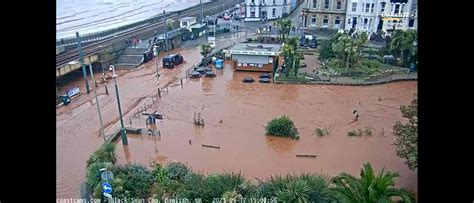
x,y
362,15
259,10
255,57
396,14
328,14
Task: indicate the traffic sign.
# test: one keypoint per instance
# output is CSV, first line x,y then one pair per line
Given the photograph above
x,y
107,188
107,175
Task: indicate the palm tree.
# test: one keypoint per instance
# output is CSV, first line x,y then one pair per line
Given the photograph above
x,y
295,191
368,188
345,48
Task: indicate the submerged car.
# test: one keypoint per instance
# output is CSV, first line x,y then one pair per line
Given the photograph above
x,y
248,80
264,80
209,74
265,75
171,60
195,74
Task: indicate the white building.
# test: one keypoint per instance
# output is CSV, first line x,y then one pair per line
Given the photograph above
x,y
380,15
259,10
362,15
395,14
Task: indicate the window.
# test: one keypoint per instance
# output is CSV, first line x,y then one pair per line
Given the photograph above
x,y
325,21
260,65
339,5
367,8
370,23
274,2
313,21
239,64
365,23
348,20
382,7
252,14
253,1
372,8
403,8
354,6
411,23
274,12
337,22
284,2
397,8
314,3
326,4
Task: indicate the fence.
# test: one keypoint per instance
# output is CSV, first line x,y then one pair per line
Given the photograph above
x,y
384,77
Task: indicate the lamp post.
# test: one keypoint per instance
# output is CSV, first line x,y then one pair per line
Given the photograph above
x,y
123,133
98,105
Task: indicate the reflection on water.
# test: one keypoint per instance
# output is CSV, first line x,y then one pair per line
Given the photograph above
x,y
281,145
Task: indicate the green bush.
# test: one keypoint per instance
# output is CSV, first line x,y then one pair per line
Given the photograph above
x,y
93,174
176,171
359,133
301,188
106,153
220,183
194,186
136,181
321,132
282,126
159,173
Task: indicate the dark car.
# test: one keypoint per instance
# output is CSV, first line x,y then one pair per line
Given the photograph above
x,y
313,44
248,80
171,60
201,70
265,75
210,74
195,74
264,80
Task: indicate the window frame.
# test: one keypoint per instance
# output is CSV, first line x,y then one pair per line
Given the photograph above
x,y
338,4
326,4
354,8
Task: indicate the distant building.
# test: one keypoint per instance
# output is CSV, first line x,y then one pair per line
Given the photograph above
x,y
396,14
326,14
255,57
362,15
260,10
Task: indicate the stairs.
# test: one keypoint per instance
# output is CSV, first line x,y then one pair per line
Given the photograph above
x,y
130,58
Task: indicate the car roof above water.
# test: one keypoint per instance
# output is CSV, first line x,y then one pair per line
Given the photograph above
x,y
171,55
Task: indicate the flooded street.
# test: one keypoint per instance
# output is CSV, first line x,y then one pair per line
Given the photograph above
x,y
234,114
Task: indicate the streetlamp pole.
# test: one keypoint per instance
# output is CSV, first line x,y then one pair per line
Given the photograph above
x,y
98,105
202,18
123,133
81,59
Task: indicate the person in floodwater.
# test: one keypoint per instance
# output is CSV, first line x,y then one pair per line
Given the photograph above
x,y
356,115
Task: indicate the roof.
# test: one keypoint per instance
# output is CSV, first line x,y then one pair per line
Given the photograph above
x,y
197,25
255,49
250,59
170,56
187,19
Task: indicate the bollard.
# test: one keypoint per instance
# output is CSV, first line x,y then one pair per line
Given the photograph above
x,y
159,92
106,90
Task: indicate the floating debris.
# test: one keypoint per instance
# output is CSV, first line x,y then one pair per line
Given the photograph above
x,y
211,146
306,155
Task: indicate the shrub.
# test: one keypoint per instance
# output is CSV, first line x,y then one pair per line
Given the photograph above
x,y
106,153
159,173
321,132
176,171
135,180
194,187
93,174
359,133
220,183
282,126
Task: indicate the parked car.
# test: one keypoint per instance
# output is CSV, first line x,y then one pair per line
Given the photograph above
x,y
209,74
248,80
265,75
195,74
201,70
171,60
264,80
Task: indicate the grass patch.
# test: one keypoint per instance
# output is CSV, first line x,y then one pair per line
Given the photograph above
x,y
364,68
300,78
321,132
359,133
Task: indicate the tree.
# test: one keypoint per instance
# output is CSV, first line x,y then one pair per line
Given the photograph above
x,y
284,27
169,24
345,48
368,188
401,45
291,55
407,135
205,50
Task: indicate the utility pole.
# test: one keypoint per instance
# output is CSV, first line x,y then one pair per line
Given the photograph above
x,y
81,60
98,105
123,132
202,18
166,43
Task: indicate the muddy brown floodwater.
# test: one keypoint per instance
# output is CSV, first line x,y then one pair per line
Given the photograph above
x,y
234,114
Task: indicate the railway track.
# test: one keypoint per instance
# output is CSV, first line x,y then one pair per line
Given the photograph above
x,y
94,47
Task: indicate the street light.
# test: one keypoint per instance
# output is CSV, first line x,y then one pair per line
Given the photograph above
x,y
98,105
123,133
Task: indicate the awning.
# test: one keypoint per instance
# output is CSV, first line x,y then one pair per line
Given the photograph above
x,y
250,59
